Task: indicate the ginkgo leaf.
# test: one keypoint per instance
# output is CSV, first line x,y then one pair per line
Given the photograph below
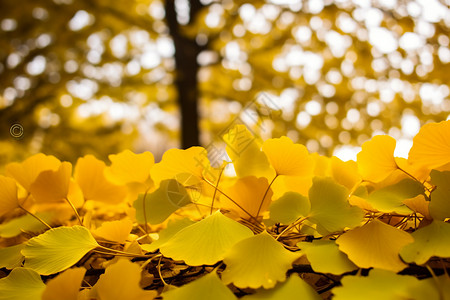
x,y
431,240
20,284
431,146
58,249
375,245
251,196
159,205
244,150
89,174
127,167
258,261
345,172
289,208
26,172
390,199
205,242
26,223
376,158
294,288
383,284
439,205
115,231
8,195
52,185
67,283
206,288
167,233
330,209
439,283
325,257
121,281
288,158
11,257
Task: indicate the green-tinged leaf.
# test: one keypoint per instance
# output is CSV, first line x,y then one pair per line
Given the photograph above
x,y
159,205
390,199
10,257
289,208
207,287
166,234
58,249
325,257
20,284
258,261
245,152
294,288
67,283
439,205
431,240
386,285
26,223
121,281
207,241
375,245
330,209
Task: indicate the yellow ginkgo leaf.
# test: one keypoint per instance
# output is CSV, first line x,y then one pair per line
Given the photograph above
x,y
376,159
127,167
375,245
58,249
250,197
288,158
67,283
431,240
386,285
289,208
26,172
89,174
207,287
345,173
20,284
431,146
419,205
27,223
325,257
258,261
205,242
11,257
115,231
121,281
245,151
293,289
8,195
52,186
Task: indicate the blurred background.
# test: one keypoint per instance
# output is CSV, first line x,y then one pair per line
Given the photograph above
x,y
100,76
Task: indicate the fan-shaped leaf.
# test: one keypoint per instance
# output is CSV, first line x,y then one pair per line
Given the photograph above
x,y
431,240
345,172
375,245
26,223
382,284
66,285
159,205
288,158
127,167
325,257
58,249
116,231
440,206
206,288
294,288
289,208
8,195
21,283
258,261
52,185
121,281
330,209
205,242
10,257
376,159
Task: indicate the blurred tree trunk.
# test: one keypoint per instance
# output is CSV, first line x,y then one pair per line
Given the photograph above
x,y
186,51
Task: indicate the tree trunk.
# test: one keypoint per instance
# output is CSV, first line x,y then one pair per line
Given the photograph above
x,y
186,51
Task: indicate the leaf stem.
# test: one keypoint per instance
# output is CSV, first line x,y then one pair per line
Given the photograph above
x,y
159,272
74,210
118,252
298,222
215,191
265,194
35,216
